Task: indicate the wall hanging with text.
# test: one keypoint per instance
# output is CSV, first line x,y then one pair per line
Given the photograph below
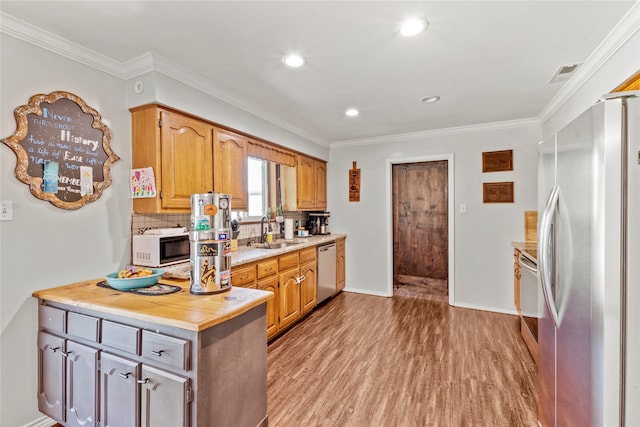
x,y
62,149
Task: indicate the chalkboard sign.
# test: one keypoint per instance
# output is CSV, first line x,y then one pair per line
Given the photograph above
x,y
63,149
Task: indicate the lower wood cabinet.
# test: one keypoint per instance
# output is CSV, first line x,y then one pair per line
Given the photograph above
x,y
291,277
340,264
141,374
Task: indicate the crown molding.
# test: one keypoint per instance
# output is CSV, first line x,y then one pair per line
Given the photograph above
x,y
406,137
145,63
29,33
626,28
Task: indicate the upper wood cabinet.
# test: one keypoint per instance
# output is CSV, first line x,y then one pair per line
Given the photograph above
x,y
230,167
311,184
179,148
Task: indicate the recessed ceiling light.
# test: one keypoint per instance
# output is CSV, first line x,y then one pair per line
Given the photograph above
x,y
430,99
412,27
293,60
352,112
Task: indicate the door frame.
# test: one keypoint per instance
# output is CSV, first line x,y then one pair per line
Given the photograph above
x,y
450,217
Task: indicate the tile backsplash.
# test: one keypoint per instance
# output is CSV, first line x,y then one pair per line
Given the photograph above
x,y
248,231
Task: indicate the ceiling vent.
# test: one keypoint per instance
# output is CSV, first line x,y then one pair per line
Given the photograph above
x,y
564,72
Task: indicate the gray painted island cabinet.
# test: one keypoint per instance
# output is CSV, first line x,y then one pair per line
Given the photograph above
x,y
100,369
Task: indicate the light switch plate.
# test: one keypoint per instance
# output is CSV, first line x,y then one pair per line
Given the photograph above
x,y
6,210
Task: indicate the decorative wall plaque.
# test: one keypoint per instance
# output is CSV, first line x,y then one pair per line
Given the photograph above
x,y
354,184
497,161
497,192
62,149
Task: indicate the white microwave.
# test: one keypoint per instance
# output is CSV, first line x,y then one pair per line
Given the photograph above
x,y
159,250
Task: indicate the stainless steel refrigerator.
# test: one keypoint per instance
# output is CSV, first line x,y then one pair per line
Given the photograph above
x,y
588,265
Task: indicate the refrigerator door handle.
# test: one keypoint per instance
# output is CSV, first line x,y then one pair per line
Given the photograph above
x,y
543,253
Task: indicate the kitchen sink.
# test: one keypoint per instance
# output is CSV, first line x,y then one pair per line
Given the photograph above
x,y
276,245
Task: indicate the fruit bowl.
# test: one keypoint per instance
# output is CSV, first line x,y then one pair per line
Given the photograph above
x,y
134,282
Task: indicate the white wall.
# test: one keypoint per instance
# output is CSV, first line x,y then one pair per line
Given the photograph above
x,y
171,92
482,237
45,246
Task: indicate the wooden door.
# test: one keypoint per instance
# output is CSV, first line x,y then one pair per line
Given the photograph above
x,y
420,226
164,398
273,305
305,180
120,392
289,291
320,185
308,287
187,159
230,171
82,385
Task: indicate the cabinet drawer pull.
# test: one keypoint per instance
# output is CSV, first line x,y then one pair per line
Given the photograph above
x,y
124,375
268,269
157,352
144,381
246,276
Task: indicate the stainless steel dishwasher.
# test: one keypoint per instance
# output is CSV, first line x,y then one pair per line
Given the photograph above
x,y
326,271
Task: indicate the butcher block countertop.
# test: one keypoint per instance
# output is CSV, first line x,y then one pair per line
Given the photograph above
x,y
181,309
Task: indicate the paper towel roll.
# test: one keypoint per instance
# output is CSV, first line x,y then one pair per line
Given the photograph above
x,y
288,228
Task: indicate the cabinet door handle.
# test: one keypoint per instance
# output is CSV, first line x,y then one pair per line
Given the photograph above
x,y
124,375
157,352
144,381
53,349
300,279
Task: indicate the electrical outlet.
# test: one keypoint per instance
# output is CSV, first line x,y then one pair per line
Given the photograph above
x,y
463,208
6,210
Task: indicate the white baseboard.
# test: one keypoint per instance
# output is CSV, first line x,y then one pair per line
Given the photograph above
x,y
361,291
43,421
485,308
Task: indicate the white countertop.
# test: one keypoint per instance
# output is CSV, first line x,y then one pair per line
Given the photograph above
x,y
246,254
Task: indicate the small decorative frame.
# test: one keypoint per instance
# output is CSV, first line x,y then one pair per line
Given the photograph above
x,y
497,161
497,192
61,129
354,184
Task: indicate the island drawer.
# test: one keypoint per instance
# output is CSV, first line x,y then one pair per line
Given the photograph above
x,y
121,337
267,268
288,261
52,319
83,326
244,276
165,349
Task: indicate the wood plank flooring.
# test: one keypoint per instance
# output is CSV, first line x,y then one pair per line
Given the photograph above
x,y
362,360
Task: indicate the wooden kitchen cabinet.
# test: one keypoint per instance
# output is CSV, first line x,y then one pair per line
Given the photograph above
x,y
516,280
81,383
340,264
271,284
289,288
179,148
311,184
309,283
244,276
230,167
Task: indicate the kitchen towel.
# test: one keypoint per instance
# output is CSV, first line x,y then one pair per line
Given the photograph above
x,y
288,228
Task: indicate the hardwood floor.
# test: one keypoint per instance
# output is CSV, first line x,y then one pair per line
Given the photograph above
x,y
363,360
422,287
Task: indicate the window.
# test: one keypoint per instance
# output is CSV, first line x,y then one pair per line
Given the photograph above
x,y
258,193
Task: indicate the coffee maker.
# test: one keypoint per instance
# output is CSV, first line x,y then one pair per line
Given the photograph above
x,y
321,222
